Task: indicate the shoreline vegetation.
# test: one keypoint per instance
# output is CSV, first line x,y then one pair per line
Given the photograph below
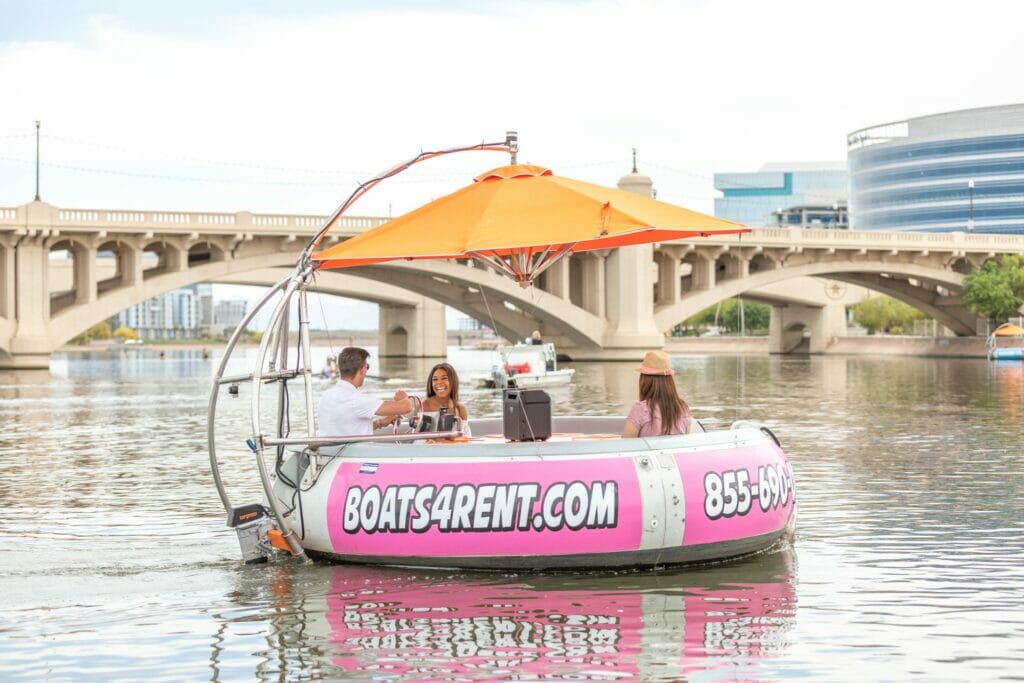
x,y
336,338
877,344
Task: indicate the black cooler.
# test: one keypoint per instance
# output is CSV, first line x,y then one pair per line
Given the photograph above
x,y
526,414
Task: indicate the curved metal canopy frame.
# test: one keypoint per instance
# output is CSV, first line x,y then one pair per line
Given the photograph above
x,y
269,369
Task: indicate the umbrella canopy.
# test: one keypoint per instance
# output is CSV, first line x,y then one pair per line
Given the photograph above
x,y
1009,330
521,219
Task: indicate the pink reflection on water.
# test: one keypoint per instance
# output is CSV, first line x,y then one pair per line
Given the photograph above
x,y
656,626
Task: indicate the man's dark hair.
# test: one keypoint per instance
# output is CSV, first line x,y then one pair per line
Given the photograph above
x,y
350,360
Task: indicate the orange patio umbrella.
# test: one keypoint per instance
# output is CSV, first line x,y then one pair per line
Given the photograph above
x,y
521,219
1009,330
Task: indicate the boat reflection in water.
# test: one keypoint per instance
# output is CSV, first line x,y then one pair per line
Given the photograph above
x,y
1009,380
396,624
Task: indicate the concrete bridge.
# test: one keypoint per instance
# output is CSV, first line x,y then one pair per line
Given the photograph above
x,y
599,305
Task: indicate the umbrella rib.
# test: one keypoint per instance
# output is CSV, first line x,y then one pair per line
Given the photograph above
x,y
494,261
552,258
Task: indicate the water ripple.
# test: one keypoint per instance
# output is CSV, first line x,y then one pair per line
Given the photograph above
x,y
905,564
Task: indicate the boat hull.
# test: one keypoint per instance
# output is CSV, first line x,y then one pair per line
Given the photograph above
x,y
579,503
527,380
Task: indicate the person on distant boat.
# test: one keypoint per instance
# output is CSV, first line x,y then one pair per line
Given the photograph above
x,y
345,411
330,370
443,392
660,409
535,338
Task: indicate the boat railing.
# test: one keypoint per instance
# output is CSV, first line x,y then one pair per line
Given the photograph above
x,y
321,441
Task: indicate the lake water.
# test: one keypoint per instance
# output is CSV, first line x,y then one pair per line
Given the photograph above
x,y
908,560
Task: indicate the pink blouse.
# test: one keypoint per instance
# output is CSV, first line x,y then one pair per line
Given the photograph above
x,y
650,425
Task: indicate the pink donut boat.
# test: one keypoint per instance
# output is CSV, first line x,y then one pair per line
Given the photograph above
x,y
582,498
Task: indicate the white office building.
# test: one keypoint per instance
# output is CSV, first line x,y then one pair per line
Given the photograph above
x,y
228,314
173,315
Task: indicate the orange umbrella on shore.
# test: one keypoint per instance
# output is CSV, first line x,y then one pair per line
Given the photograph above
x,y
1009,330
521,219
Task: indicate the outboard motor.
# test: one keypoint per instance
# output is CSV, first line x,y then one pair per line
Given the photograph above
x,y
252,524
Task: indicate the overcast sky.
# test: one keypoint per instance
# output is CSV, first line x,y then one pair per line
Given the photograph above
x,y
283,106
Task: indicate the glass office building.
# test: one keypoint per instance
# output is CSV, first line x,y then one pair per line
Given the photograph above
x,y
807,194
962,170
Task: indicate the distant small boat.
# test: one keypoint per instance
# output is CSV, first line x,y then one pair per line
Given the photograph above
x,y
524,366
1013,350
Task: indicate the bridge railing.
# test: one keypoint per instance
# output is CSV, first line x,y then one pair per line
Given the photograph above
x,y
117,220
858,239
299,225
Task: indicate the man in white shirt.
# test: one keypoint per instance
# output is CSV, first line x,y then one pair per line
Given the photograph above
x,y
345,411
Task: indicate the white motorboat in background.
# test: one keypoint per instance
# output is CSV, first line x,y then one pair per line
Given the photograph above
x,y
524,366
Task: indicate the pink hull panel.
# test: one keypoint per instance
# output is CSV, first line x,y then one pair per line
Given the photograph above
x,y
554,507
735,492
491,508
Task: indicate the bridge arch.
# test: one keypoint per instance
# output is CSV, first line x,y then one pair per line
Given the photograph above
x,y
205,251
82,258
895,279
128,261
492,298
513,312
166,256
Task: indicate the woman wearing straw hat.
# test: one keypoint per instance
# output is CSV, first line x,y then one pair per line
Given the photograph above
x,y
660,409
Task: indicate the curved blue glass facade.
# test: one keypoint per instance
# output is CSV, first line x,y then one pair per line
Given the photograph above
x,y
958,171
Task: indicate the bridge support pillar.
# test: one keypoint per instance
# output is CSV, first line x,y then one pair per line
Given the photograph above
x,y
84,275
628,278
668,276
788,323
558,278
6,279
631,329
418,331
30,344
592,296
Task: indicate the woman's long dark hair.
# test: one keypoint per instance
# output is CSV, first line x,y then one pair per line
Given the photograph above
x,y
662,398
453,383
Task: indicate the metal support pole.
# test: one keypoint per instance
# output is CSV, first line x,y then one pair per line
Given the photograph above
x,y
307,367
37,161
258,436
281,340
221,379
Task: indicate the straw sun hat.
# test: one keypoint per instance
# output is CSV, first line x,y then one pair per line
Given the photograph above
x,y
656,363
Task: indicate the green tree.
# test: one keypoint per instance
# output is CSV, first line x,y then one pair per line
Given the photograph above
x,y
755,316
100,331
97,331
126,333
744,315
996,290
886,314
